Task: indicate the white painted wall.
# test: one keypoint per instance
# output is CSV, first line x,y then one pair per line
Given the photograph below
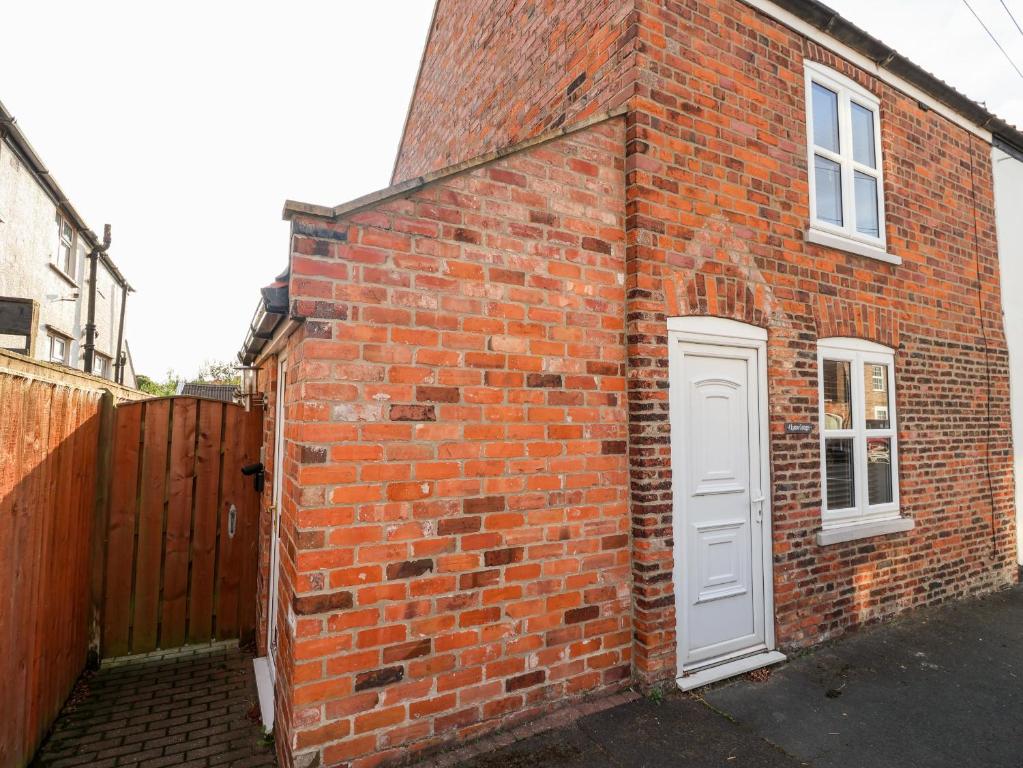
x,y
28,239
1008,173
27,243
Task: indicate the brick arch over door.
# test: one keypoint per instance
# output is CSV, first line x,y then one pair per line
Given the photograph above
x,y
717,295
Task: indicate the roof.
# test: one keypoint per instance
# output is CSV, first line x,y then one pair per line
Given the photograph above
x,y
223,392
833,24
10,131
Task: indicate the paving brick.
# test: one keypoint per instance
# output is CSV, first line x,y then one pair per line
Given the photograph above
x,y
199,701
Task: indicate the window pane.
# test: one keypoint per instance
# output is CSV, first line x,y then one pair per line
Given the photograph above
x,y
828,183
837,395
875,388
866,205
863,135
879,471
839,466
825,118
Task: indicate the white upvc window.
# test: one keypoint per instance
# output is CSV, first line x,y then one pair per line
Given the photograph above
x,y
64,255
101,365
859,445
58,349
843,128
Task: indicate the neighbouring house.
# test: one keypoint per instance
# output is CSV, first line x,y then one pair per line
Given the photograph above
x,y
1008,181
45,270
676,344
223,392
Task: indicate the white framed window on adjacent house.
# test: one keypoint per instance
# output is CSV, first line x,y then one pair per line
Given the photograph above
x,y
101,365
878,378
845,171
64,258
58,348
859,443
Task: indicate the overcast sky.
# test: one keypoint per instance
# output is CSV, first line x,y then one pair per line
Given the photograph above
x,y
186,125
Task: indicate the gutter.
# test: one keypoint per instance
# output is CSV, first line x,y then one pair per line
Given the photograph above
x,y
831,23
271,311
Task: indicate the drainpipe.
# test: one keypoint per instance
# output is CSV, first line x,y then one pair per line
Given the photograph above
x,y
119,355
90,325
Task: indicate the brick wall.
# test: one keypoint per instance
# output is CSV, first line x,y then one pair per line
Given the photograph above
x,y
499,72
460,537
479,354
717,196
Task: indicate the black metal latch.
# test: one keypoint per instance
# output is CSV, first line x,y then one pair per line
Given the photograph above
x,y
258,473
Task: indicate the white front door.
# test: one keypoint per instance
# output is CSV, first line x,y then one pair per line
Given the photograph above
x,y
275,519
720,478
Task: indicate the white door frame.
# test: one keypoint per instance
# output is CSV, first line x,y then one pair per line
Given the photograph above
x,y
720,332
275,518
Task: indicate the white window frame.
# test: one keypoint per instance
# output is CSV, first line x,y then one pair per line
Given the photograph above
x,y
874,378
858,353
845,237
101,365
53,339
65,265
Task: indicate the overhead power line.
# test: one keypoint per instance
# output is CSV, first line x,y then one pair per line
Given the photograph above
x,y
1011,16
993,38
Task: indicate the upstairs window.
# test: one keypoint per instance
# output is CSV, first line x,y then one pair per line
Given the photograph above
x,y
858,439
846,183
65,255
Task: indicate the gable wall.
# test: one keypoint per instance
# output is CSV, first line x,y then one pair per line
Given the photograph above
x,y
500,72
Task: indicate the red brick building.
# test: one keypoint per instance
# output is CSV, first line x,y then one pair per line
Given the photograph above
x,y
677,343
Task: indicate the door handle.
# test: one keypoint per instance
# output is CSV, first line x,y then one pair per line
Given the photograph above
x,y
758,499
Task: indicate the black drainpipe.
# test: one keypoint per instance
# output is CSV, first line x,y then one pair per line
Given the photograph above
x,y
90,325
119,365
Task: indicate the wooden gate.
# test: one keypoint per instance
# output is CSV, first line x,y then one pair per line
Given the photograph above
x,y
182,525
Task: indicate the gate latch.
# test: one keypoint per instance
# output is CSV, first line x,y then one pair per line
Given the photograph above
x,y
232,521
258,474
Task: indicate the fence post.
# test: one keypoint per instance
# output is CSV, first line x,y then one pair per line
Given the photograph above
x,y
101,514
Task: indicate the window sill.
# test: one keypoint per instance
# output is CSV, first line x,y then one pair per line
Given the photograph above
x,y
830,240
63,275
864,530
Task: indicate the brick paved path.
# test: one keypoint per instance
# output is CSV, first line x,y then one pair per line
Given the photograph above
x,y
180,708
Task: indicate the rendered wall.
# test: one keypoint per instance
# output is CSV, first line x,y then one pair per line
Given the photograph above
x,y
1008,174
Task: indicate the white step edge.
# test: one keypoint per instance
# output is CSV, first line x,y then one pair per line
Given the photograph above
x,y
709,675
265,689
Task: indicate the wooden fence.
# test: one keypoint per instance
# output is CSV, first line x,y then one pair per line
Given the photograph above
x,y
125,525
50,423
182,526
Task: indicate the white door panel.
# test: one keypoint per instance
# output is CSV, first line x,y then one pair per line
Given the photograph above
x,y
718,487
